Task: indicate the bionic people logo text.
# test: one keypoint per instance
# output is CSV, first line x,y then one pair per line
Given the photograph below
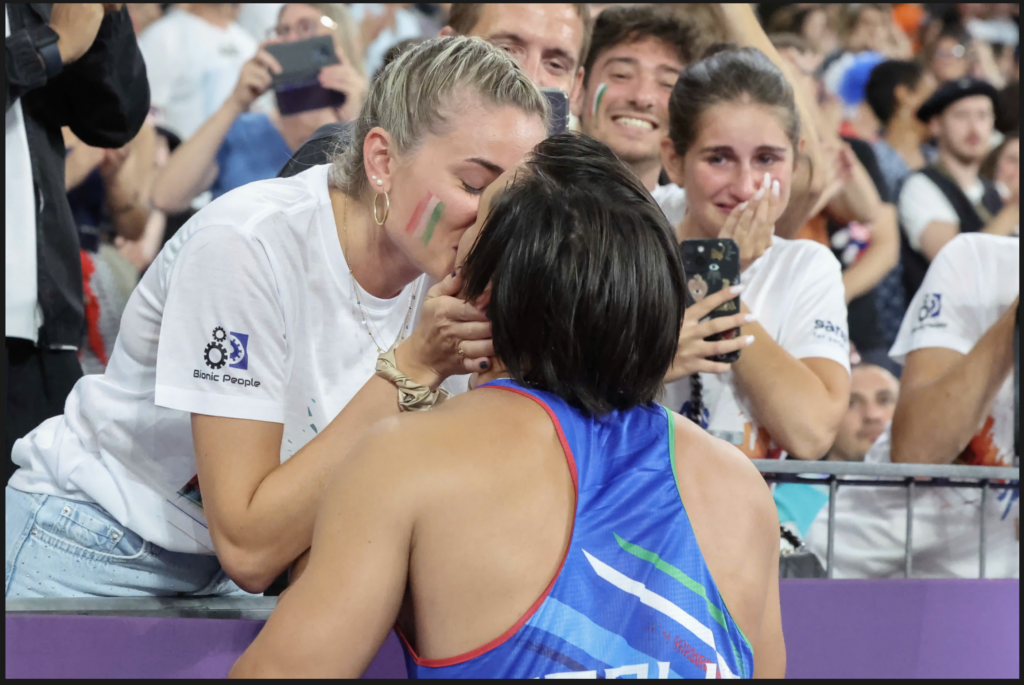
x,y
230,350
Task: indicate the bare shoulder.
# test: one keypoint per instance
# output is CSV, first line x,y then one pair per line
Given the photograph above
x,y
733,517
723,471
448,448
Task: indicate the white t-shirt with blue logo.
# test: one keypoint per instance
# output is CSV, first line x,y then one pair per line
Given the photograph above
x,y
796,290
246,313
972,282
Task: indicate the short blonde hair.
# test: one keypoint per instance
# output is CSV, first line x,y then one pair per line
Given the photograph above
x,y
409,96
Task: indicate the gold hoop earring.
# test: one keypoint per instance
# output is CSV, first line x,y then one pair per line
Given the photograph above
x,y
387,208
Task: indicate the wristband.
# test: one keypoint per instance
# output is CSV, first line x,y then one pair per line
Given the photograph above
x,y
44,40
411,395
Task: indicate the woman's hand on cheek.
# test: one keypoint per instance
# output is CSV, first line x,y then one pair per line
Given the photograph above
x,y
453,337
752,223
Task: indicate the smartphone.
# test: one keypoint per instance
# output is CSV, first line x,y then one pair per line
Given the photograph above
x,y
296,87
710,266
558,100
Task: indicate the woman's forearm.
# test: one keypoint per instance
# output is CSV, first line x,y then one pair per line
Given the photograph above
x,y
858,200
881,256
192,168
277,525
787,398
259,538
936,419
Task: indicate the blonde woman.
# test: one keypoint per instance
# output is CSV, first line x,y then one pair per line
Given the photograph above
x,y
236,146
245,366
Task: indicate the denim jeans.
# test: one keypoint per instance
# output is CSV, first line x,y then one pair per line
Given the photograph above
x,y
57,547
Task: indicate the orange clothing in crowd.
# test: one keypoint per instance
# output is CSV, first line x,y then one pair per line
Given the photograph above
x,y
909,17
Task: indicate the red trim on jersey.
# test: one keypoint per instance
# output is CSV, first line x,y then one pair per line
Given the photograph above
x,y
501,639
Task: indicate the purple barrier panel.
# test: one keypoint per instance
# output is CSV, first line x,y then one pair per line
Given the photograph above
x,y
833,629
902,628
53,646
389,662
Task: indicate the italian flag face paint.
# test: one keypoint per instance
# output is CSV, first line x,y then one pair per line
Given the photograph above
x,y
425,217
601,89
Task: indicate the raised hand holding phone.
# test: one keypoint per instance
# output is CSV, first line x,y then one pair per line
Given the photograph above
x,y
344,78
694,351
255,79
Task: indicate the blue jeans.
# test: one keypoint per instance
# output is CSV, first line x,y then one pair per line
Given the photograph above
x,y
57,547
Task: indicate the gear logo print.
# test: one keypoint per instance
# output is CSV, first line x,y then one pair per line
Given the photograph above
x,y
215,355
227,348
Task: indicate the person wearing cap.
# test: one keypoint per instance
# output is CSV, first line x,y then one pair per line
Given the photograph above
x,y
949,197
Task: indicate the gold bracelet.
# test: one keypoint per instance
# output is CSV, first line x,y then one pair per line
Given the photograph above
x,y
411,395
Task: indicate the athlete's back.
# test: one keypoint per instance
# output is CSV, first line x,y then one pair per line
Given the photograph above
x,y
633,595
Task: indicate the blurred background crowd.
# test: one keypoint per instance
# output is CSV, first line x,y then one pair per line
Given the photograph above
x,y
916,109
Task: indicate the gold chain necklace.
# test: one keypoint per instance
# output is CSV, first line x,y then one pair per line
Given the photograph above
x,y
403,332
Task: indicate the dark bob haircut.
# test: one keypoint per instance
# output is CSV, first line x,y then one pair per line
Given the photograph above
x,y
587,287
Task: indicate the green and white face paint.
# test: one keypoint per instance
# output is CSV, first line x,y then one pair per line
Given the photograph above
x,y
425,217
598,96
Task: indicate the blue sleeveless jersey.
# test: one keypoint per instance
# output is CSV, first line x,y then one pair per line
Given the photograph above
x,y
633,597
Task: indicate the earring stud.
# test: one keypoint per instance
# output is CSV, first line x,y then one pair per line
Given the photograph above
x,y
380,182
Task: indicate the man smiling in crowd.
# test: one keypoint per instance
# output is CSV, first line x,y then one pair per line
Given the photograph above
x,y
549,40
635,58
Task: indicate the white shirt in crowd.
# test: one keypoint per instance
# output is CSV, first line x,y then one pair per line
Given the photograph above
x,y
972,282
921,202
406,25
672,200
192,66
22,315
258,18
796,290
871,528
248,313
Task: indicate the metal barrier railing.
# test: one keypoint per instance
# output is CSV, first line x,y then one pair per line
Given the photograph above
x,y
252,608
790,471
892,475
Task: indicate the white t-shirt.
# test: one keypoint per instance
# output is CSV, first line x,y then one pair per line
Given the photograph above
x,y
246,313
871,527
796,290
672,200
192,66
22,314
921,202
972,282
258,18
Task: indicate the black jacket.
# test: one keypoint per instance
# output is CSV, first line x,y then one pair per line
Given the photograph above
x,y
104,98
915,264
324,142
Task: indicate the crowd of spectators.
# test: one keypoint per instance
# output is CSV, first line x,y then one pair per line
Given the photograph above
x,y
891,246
